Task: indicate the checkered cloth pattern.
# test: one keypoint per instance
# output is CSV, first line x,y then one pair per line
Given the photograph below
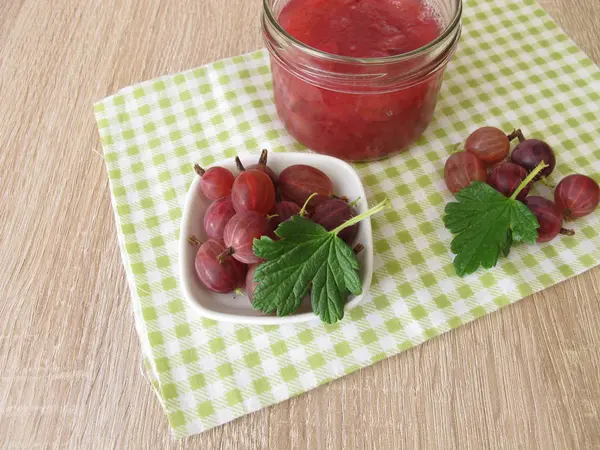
x,y
514,67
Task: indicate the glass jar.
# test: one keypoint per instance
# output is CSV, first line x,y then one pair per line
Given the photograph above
x,y
358,109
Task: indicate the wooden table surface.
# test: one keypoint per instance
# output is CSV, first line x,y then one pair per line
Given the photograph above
x,y
524,377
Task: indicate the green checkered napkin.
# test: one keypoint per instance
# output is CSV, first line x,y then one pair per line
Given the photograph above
x,y
514,67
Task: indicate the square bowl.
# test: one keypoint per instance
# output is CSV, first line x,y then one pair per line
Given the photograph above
x,y
237,308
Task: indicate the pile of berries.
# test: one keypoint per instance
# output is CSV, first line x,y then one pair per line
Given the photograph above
x,y
253,204
487,158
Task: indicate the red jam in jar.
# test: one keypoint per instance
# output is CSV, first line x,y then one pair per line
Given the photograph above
x,y
363,28
359,79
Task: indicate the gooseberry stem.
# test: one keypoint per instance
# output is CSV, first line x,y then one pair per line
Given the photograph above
x,y
374,210
199,170
263,157
567,232
343,198
358,248
225,255
354,203
238,163
516,134
194,241
541,166
303,210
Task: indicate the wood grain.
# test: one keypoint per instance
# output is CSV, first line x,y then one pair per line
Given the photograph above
x,y
525,377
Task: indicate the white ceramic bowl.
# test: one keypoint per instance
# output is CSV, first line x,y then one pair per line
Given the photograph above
x,y
237,308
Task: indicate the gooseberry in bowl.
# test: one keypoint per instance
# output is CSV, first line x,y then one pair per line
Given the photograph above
x,y
235,307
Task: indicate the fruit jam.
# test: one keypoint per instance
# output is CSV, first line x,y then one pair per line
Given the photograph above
x,y
361,28
357,119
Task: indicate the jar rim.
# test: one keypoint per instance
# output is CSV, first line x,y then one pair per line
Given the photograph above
x,y
268,12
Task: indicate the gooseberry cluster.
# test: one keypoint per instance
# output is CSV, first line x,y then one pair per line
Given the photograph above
x,y
253,204
487,158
